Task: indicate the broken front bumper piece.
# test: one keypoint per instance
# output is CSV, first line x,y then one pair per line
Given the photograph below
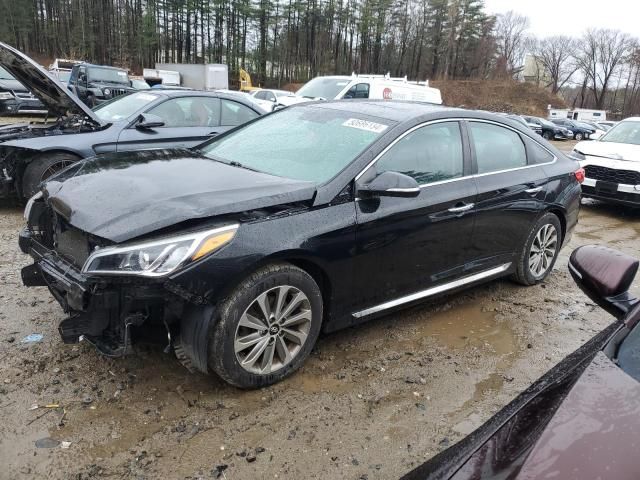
x,y
102,312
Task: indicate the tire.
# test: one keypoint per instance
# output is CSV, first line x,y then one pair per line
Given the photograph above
x,y
547,136
232,324
578,136
42,167
526,271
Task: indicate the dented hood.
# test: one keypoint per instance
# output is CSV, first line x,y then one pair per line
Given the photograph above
x,y
612,150
57,98
125,195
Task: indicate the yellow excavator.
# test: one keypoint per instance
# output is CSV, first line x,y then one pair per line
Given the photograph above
x,y
245,82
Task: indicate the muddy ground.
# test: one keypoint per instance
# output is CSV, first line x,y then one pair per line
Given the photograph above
x,y
371,403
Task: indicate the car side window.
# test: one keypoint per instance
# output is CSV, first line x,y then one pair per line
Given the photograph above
x,y
271,97
538,154
360,90
261,95
497,148
189,112
428,154
234,113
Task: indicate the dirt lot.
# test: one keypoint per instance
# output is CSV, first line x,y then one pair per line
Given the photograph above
x,y
371,403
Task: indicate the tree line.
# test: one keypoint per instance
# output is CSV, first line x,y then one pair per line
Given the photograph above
x,y
285,41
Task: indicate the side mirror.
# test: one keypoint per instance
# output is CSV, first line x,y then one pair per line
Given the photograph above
x,y
148,121
605,275
391,184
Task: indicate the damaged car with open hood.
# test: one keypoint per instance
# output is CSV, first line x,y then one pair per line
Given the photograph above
x,y
315,217
30,153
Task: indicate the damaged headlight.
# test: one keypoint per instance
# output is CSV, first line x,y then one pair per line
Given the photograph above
x,y
158,258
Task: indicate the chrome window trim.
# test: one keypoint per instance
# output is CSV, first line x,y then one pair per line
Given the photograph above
x,y
429,292
463,177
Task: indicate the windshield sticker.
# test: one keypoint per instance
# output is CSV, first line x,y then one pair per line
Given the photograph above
x,y
122,74
365,125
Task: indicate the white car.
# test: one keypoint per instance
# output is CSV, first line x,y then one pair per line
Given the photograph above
x,y
612,164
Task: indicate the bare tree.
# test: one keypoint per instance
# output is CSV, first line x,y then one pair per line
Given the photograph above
x,y
556,56
511,35
603,52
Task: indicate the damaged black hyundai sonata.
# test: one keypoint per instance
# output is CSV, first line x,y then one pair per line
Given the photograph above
x,y
310,219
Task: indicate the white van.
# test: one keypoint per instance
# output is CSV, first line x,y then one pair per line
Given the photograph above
x,y
379,87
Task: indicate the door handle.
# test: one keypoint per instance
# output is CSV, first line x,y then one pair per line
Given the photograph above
x,y
462,208
533,191
213,133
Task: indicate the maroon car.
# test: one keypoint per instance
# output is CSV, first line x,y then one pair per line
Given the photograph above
x,y
582,419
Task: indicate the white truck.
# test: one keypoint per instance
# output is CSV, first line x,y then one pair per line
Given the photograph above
x,y
380,87
155,76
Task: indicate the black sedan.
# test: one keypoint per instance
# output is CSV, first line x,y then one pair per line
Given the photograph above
x,y
141,120
313,218
549,130
580,131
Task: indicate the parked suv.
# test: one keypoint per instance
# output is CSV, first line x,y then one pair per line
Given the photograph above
x,y
95,84
550,131
580,130
15,98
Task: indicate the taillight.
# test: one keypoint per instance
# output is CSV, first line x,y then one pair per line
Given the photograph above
x,y
579,175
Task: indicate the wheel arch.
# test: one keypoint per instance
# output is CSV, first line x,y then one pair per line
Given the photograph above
x,y
29,155
562,217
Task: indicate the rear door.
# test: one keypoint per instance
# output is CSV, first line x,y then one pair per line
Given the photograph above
x,y
512,186
188,121
406,245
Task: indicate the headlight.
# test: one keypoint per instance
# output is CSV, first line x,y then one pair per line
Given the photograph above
x,y
577,155
6,96
107,91
158,258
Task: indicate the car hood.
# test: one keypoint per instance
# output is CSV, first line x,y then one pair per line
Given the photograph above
x,y
125,195
58,100
614,151
594,432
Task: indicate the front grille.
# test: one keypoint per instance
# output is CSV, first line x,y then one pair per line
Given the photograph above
x,y
24,95
628,177
70,243
116,92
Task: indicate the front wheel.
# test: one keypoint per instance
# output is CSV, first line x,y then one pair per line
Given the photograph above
x,y
267,327
540,251
41,168
547,135
578,136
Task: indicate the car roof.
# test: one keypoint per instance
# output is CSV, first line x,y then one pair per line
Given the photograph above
x,y
85,64
630,119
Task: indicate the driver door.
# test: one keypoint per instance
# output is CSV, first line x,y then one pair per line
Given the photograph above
x,y
188,121
407,245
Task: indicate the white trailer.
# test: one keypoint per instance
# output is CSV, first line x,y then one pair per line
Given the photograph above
x,y
578,114
154,76
200,76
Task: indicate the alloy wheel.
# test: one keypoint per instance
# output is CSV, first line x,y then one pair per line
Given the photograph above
x,y
543,250
55,168
273,330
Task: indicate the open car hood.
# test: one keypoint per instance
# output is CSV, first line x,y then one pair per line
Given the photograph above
x,y
58,100
125,195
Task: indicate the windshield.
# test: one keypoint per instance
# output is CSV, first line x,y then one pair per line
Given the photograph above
x,y
98,74
4,75
624,132
546,123
123,107
303,143
323,87
64,76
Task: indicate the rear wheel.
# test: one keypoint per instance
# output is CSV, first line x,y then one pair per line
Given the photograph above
x,y
267,327
42,167
540,251
546,135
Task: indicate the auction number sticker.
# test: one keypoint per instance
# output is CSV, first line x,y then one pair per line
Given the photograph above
x,y
365,125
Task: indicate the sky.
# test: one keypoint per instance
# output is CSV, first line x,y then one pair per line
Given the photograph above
x,y
573,17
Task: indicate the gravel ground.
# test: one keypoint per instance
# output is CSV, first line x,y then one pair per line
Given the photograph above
x,y
372,402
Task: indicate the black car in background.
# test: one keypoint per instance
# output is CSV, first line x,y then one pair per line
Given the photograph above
x,y
95,84
316,217
549,130
580,131
15,98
